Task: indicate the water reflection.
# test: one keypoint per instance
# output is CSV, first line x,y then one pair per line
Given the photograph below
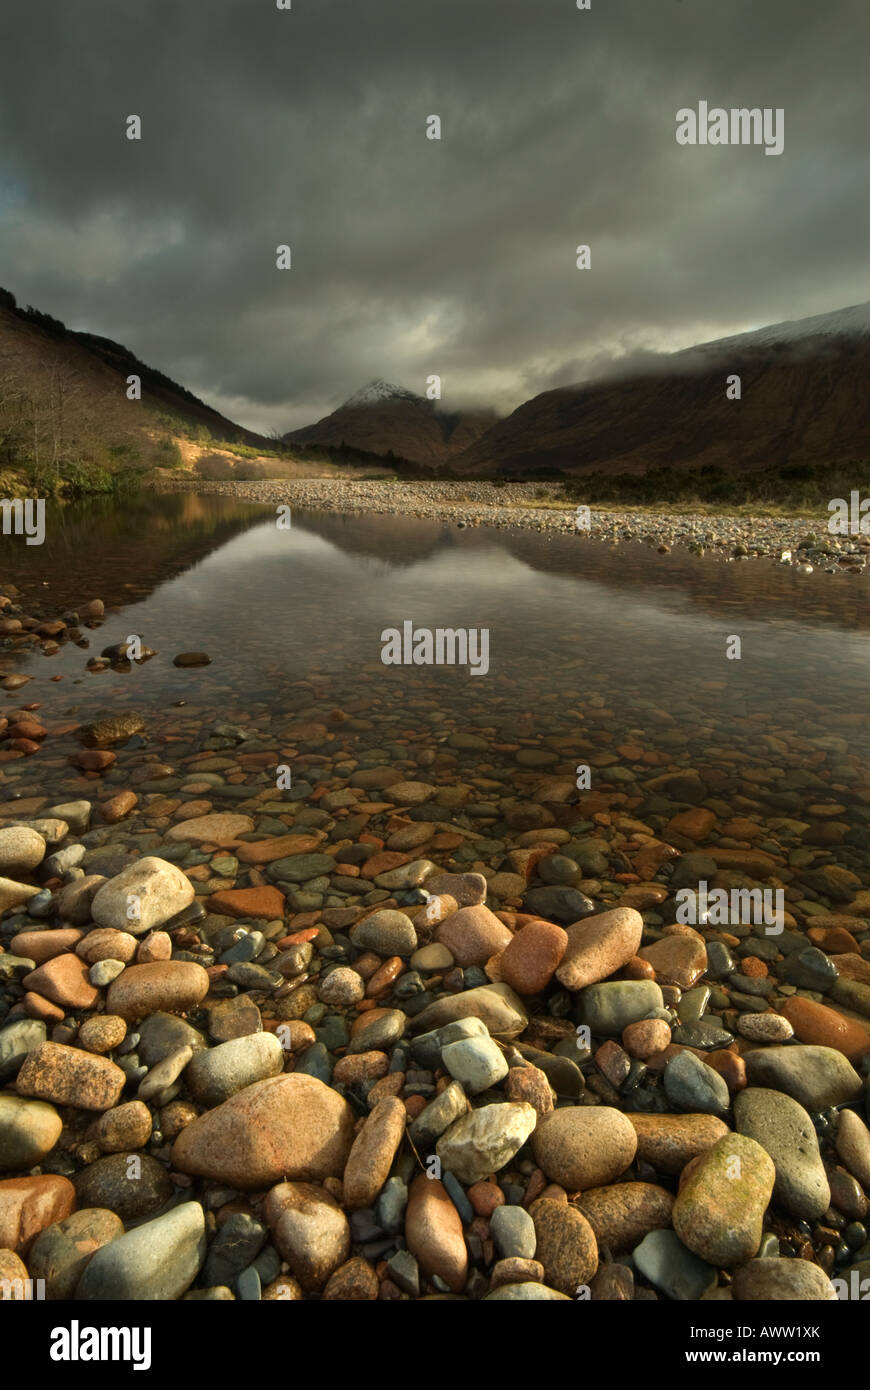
x,y
570,622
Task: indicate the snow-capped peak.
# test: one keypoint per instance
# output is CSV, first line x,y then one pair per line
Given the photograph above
x,y
378,390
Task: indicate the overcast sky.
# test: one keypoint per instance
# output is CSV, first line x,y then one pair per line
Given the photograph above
x,y
413,257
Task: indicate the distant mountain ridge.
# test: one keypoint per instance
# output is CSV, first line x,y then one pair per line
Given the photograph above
x,y
803,400
390,421
851,322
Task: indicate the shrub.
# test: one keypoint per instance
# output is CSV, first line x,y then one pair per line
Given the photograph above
x,y
169,453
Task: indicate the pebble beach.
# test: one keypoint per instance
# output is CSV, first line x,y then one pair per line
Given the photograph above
x,y
425,1021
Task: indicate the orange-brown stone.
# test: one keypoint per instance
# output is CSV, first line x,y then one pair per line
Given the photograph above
x,y
278,847
40,946
472,935
532,955
433,1232
28,1205
753,967
70,1076
63,980
677,959
36,1007
118,806
851,966
670,1142
833,940
816,1023
383,862
94,759
638,969
649,860
264,901
646,1037
695,824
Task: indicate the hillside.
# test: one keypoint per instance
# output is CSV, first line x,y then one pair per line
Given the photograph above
x,y
804,402
383,419
63,403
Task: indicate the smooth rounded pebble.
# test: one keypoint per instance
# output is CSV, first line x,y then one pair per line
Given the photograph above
x,y
669,1142
778,1280
721,1203
290,1126
310,1231
29,1129
214,1074
566,1245
171,986
433,1232
580,1146
623,1213
156,1261
598,946
374,1148
785,1131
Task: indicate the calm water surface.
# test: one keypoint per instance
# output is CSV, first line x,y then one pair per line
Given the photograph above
x,y
591,646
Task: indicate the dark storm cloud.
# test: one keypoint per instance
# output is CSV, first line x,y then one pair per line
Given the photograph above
x,y
410,256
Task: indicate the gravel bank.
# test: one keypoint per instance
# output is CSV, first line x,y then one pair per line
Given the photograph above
x,y
789,540
374,1037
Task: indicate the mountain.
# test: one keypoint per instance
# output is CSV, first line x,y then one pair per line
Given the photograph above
x,y
382,419
804,400
377,391
63,398
804,403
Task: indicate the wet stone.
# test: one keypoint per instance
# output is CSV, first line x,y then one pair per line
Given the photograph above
x,y
379,1029
693,1086
720,962
816,1077
785,1131
808,969
609,1007
663,1260
705,1034
558,904
388,933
